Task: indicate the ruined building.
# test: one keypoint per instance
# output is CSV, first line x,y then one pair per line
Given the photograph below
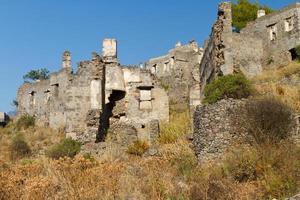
x,y
131,102
178,73
268,41
102,94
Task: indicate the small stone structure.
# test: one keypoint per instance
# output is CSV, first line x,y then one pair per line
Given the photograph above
x,y
178,73
214,128
218,126
3,119
102,95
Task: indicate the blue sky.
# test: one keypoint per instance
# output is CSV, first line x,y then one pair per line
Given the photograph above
x,y
34,33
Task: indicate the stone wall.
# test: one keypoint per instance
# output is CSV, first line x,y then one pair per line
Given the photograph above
x,y
178,73
101,95
216,60
218,126
66,99
279,33
144,106
268,41
247,54
214,128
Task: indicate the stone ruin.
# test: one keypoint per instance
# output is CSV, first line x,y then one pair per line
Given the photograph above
x,y
101,95
131,102
178,73
268,41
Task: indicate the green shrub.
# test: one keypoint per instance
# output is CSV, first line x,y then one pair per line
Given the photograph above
x,y
138,148
19,147
234,86
66,148
25,122
268,120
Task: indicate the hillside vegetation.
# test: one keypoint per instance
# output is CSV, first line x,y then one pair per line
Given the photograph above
x,y
258,171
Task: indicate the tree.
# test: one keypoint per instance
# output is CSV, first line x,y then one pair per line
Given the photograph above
x,y
244,11
33,75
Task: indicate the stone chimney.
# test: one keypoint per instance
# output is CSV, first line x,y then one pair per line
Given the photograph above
x,y
109,50
66,60
261,13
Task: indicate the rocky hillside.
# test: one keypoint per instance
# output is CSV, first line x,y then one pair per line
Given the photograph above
x,y
32,165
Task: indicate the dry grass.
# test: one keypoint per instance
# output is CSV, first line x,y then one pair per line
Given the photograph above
x,y
275,75
178,126
246,173
39,139
283,83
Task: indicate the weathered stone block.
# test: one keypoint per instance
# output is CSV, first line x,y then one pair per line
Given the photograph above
x,y
145,105
145,95
109,48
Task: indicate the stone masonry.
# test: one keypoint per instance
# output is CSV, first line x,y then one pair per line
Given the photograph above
x,y
218,126
129,103
100,96
268,41
178,73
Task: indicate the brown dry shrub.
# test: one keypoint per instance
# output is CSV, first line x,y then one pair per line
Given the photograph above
x,y
210,182
179,126
268,120
19,147
138,148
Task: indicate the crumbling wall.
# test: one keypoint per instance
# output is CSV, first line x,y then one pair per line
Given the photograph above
x,y
144,106
101,96
178,72
216,59
33,99
85,100
66,100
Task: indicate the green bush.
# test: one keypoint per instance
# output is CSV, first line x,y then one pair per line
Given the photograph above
x,y
25,122
138,148
234,86
19,147
66,148
268,120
